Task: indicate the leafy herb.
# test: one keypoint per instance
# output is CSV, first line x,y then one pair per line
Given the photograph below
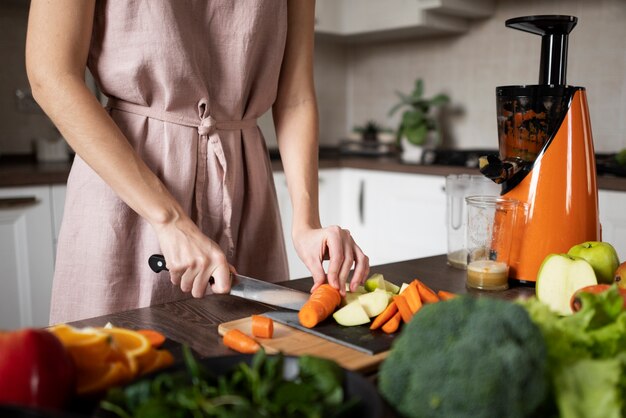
x,y
261,389
586,355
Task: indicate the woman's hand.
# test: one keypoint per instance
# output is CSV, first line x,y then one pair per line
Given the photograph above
x,y
192,258
332,243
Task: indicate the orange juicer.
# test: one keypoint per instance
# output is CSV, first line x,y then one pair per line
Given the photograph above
x,y
546,156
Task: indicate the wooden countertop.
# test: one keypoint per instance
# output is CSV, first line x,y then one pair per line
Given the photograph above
x,y
194,321
25,171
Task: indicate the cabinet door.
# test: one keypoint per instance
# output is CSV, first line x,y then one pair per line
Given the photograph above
x,y
395,216
613,219
26,256
329,190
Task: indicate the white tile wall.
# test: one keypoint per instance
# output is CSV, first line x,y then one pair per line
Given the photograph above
x,y
468,67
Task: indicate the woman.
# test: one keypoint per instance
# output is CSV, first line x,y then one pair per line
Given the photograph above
x,y
176,163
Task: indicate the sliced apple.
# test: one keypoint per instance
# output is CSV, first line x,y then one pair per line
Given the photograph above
x,y
404,286
351,315
359,289
377,281
559,277
350,297
374,302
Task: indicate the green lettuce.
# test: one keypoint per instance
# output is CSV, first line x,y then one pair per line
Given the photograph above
x,y
586,355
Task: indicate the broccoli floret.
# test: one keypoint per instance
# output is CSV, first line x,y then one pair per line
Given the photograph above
x,y
467,357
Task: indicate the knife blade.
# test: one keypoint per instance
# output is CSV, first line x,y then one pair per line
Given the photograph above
x,y
251,289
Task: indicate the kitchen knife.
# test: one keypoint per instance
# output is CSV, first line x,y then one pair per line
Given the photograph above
x,y
251,289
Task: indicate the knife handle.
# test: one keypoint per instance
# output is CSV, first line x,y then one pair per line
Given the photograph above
x,y
157,263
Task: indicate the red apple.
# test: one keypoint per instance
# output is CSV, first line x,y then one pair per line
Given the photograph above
x,y
576,303
620,276
35,369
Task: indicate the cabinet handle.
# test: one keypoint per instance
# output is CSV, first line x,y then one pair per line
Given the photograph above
x,y
17,202
362,202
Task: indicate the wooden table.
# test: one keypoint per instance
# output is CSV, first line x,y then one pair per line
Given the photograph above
x,y
194,321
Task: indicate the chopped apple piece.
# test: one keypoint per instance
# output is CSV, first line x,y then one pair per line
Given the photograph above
x,y
377,281
404,286
351,315
374,302
350,297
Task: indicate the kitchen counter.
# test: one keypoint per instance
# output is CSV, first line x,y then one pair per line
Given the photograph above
x,y
24,171
195,321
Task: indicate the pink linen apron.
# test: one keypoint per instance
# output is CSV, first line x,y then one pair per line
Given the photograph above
x,y
186,81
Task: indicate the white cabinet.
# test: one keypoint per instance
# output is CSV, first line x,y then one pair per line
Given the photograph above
x,y
361,20
612,207
329,192
26,256
394,216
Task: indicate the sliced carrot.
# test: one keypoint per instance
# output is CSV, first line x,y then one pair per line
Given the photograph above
x,y
385,315
426,293
240,342
155,337
320,305
443,295
393,324
262,326
413,297
403,307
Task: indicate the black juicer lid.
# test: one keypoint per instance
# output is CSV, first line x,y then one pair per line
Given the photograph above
x,y
554,31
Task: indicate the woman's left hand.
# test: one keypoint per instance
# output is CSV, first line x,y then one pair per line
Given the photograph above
x,y
332,243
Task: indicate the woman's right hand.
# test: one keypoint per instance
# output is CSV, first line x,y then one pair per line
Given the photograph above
x,y
192,258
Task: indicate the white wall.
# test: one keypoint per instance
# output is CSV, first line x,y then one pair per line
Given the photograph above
x,y
468,67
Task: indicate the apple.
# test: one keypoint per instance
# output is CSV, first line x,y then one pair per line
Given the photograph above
x,y
351,315
374,302
620,276
35,369
403,287
349,298
601,256
377,281
576,302
559,276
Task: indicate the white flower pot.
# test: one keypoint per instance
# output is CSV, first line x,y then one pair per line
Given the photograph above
x,y
411,153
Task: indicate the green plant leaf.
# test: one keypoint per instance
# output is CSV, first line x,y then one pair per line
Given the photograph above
x,y
439,100
418,92
416,135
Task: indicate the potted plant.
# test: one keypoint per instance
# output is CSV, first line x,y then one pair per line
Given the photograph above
x,y
371,131
418,127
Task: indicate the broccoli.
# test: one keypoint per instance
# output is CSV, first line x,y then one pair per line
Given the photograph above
x,y
467,357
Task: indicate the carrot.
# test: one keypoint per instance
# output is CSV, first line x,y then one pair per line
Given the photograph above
x,y
385,315
320,305
240,342
262,326
413,297
443,295
403,307
155,337
426,293
393,324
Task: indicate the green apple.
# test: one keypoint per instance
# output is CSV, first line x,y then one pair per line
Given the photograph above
x,y
374,302
350,297
620,276
351,315
359,289
601,256
377,281
559,277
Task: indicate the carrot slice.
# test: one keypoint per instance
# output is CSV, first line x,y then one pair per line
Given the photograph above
x,y
262,326
155,337
426,293
240,342
403,307
320,305
413,297
393,324
443,295
385,315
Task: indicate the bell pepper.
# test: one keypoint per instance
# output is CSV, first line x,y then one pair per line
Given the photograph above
x,y
35,369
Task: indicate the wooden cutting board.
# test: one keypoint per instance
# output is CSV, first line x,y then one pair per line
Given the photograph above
x,y
292,341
